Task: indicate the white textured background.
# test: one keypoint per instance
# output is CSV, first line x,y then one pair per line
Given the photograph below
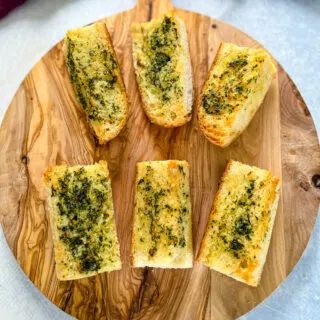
x,y
289,29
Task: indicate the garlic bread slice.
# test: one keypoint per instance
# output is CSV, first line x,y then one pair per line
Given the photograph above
x,y
240,225
96,77
82,220
236,85
162,228
163,70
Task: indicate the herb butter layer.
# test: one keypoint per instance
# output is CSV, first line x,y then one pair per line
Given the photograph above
x,y
163,69
82,220
162,228
240,224
234,90
96,77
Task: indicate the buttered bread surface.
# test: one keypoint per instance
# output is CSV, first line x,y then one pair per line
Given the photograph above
x,y
96,77
162,227
82,220
163,69
240,225
236,85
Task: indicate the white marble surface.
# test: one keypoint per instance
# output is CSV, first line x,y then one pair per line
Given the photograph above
x,y
288,29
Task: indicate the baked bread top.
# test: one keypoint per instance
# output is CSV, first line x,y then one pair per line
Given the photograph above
x,y
240,224
162,228
163,70
82,220
236,85
96,77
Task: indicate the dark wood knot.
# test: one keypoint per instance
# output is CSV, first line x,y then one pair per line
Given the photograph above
x,y
24,159
214,26
316,180
306,111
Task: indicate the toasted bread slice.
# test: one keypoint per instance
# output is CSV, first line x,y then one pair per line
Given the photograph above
x,y
240,225
163,70
162,228
82,220
237,83
96,77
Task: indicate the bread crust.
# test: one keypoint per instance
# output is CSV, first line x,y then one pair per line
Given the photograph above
x,y
212,138
221,136
133,263
102,29
188,93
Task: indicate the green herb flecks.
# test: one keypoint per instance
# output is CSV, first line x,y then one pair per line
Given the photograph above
x,y
81,204
235,244
239,62
226,90
154,207
93,73
214,104
243,225
160,48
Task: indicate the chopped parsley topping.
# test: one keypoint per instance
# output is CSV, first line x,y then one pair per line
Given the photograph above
x,y
161,48
155,206
227,90
93,73
235,244
239,62
213,103
83,204
243,225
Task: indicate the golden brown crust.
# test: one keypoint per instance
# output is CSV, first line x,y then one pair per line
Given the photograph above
x,y
214,138
54,230
133,221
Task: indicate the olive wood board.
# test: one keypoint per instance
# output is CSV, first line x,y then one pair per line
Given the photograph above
x,y
45,125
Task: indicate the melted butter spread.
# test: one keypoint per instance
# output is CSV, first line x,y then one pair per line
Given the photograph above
x,y
159,51
84,220
163,210
94,73
232,79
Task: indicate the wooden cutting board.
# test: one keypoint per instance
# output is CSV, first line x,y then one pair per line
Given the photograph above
x,y
45,125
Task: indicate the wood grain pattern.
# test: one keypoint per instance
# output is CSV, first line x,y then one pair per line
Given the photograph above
x,y
45,125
